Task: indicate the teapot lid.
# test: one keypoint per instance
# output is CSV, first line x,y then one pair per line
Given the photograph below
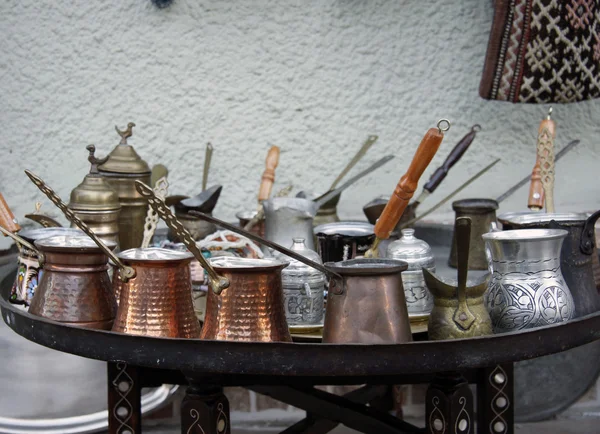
x,y
411,250
299,270
94,193
124,159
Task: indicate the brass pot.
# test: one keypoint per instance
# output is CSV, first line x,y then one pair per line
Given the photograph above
x,y
123,168
96,203
368,305
158,300
75,287
251,309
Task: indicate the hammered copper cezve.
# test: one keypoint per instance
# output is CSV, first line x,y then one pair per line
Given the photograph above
x,y
158,300
251,309
74,287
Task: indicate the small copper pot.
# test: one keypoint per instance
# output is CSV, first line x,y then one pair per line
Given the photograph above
x,y
29,268
368,305
75,287
251,309
158,300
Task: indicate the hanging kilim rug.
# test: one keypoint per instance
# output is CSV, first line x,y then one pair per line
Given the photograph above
x,y
543,51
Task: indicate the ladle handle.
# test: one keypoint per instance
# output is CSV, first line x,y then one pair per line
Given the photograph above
x,y
408,183
462,232
207,158
125,272
217,282
536,189
361,153
7,218
545,153
268,176
455,154
27,244
323,199
267,243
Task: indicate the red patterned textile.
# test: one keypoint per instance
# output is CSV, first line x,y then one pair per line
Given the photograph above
x,y
543,51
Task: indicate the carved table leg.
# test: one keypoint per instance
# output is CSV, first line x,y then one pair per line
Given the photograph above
x,y
449,405
495,404
205,410
124,399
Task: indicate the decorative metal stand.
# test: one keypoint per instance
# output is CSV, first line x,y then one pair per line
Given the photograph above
x,y
205,410
124,399
288,372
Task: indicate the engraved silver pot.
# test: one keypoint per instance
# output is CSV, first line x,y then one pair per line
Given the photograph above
x,y
417,254
303,288
527,288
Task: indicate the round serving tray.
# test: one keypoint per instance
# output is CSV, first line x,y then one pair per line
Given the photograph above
x,y
352,362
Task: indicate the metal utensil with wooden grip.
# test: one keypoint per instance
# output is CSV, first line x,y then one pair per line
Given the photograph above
x,y
407,185
441,172
266,185
545,153
268,176
7,218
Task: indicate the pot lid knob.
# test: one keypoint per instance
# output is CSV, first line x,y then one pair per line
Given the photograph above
x,y
95,161
123,159
94,193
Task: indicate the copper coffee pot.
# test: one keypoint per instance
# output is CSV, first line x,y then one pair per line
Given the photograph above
x,y
366,302
74,286
158,301
246,300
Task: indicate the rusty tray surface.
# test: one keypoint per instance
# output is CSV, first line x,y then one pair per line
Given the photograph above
x,y
299,359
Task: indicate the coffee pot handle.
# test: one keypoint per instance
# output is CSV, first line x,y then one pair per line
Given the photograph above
x,y
218,283
463,317
125,272
587,241
27,244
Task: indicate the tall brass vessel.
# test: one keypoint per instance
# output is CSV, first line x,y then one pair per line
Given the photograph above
x,y
123,168
96,203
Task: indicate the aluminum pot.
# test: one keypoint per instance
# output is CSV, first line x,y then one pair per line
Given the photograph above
x,y
251,309
75,287
287,218
527,288
577,253
367,305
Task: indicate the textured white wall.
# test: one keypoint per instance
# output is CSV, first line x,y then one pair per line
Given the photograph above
x,y
314,77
